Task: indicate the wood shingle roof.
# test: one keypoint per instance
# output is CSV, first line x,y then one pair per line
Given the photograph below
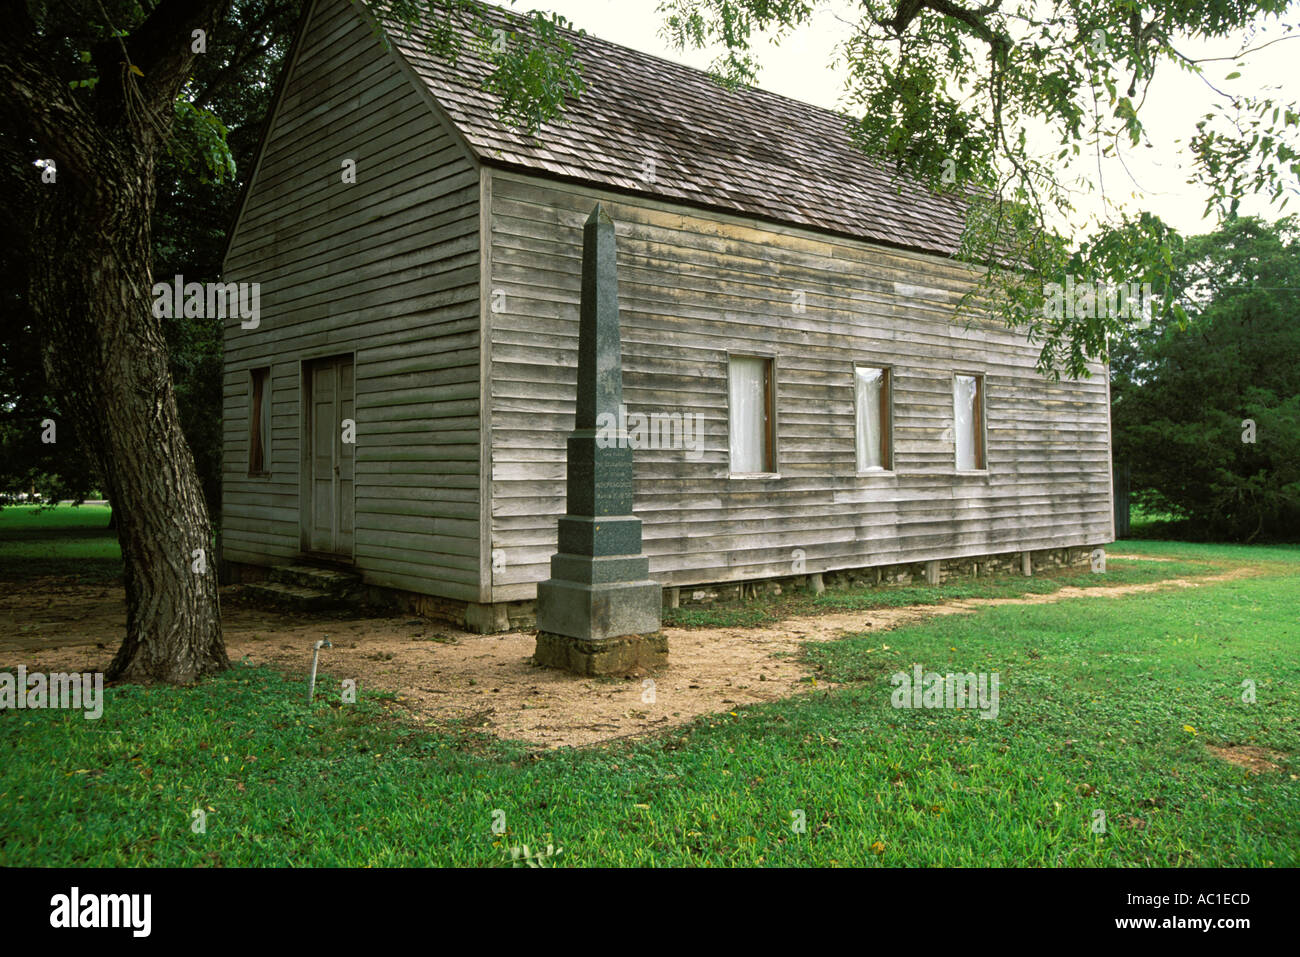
x,y
747,151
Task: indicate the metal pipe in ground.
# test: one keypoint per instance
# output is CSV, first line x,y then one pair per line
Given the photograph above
x,y
315,655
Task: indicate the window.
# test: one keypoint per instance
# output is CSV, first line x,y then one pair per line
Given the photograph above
x,y
874,413
968,417
259,422
752,415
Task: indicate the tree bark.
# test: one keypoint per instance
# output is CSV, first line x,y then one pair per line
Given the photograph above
x,y
103,348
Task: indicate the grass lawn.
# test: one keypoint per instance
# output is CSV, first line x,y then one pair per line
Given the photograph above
x,y
68,541
1106,704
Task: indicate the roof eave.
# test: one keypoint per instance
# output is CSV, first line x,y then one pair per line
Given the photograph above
x,y
545,174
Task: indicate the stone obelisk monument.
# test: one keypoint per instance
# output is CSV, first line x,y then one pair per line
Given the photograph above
x,y
599,612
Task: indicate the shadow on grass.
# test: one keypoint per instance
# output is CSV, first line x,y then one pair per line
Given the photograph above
x,y
69,542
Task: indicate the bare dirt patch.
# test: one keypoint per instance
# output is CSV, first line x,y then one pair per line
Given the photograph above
x,y
1110,591
441,673
1254,759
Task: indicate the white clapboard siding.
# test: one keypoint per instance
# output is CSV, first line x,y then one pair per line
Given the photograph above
x,y
695,285
386,270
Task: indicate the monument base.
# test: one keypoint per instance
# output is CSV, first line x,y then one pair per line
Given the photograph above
x,y
604,656
593,611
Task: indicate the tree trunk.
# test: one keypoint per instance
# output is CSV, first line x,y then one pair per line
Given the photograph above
x,y
105,349
90,286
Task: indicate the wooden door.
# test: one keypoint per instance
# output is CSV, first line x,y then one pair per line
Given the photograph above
x,y
328,503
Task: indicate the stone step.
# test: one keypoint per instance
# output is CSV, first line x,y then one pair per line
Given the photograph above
x,y
293,598
339,584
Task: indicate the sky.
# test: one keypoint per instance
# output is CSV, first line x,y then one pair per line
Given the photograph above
x,y
1155,178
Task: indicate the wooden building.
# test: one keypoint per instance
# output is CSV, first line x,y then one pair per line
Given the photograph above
x,y
775,288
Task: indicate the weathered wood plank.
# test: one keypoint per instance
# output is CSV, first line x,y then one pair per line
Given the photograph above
x,y
385,270
696,286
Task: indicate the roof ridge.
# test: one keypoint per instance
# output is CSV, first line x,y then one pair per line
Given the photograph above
x,y
742,89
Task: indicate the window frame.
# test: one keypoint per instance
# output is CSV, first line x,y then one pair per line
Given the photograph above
x,y
262,423
770,433
980,430
886,424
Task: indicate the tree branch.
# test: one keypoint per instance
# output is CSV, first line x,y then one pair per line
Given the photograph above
x,y
974,18
38,105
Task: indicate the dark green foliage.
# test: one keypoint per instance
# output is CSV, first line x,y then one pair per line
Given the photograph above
x,y
534,68
1182,396
197,196
996,100
217,130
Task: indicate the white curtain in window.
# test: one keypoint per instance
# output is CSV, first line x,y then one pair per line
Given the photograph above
x,y
748,412
870,386
964,397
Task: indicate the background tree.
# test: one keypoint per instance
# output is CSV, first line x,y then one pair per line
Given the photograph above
x,y
219,122
106,105
219,118
29,463
1209,417
89,92
995,97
